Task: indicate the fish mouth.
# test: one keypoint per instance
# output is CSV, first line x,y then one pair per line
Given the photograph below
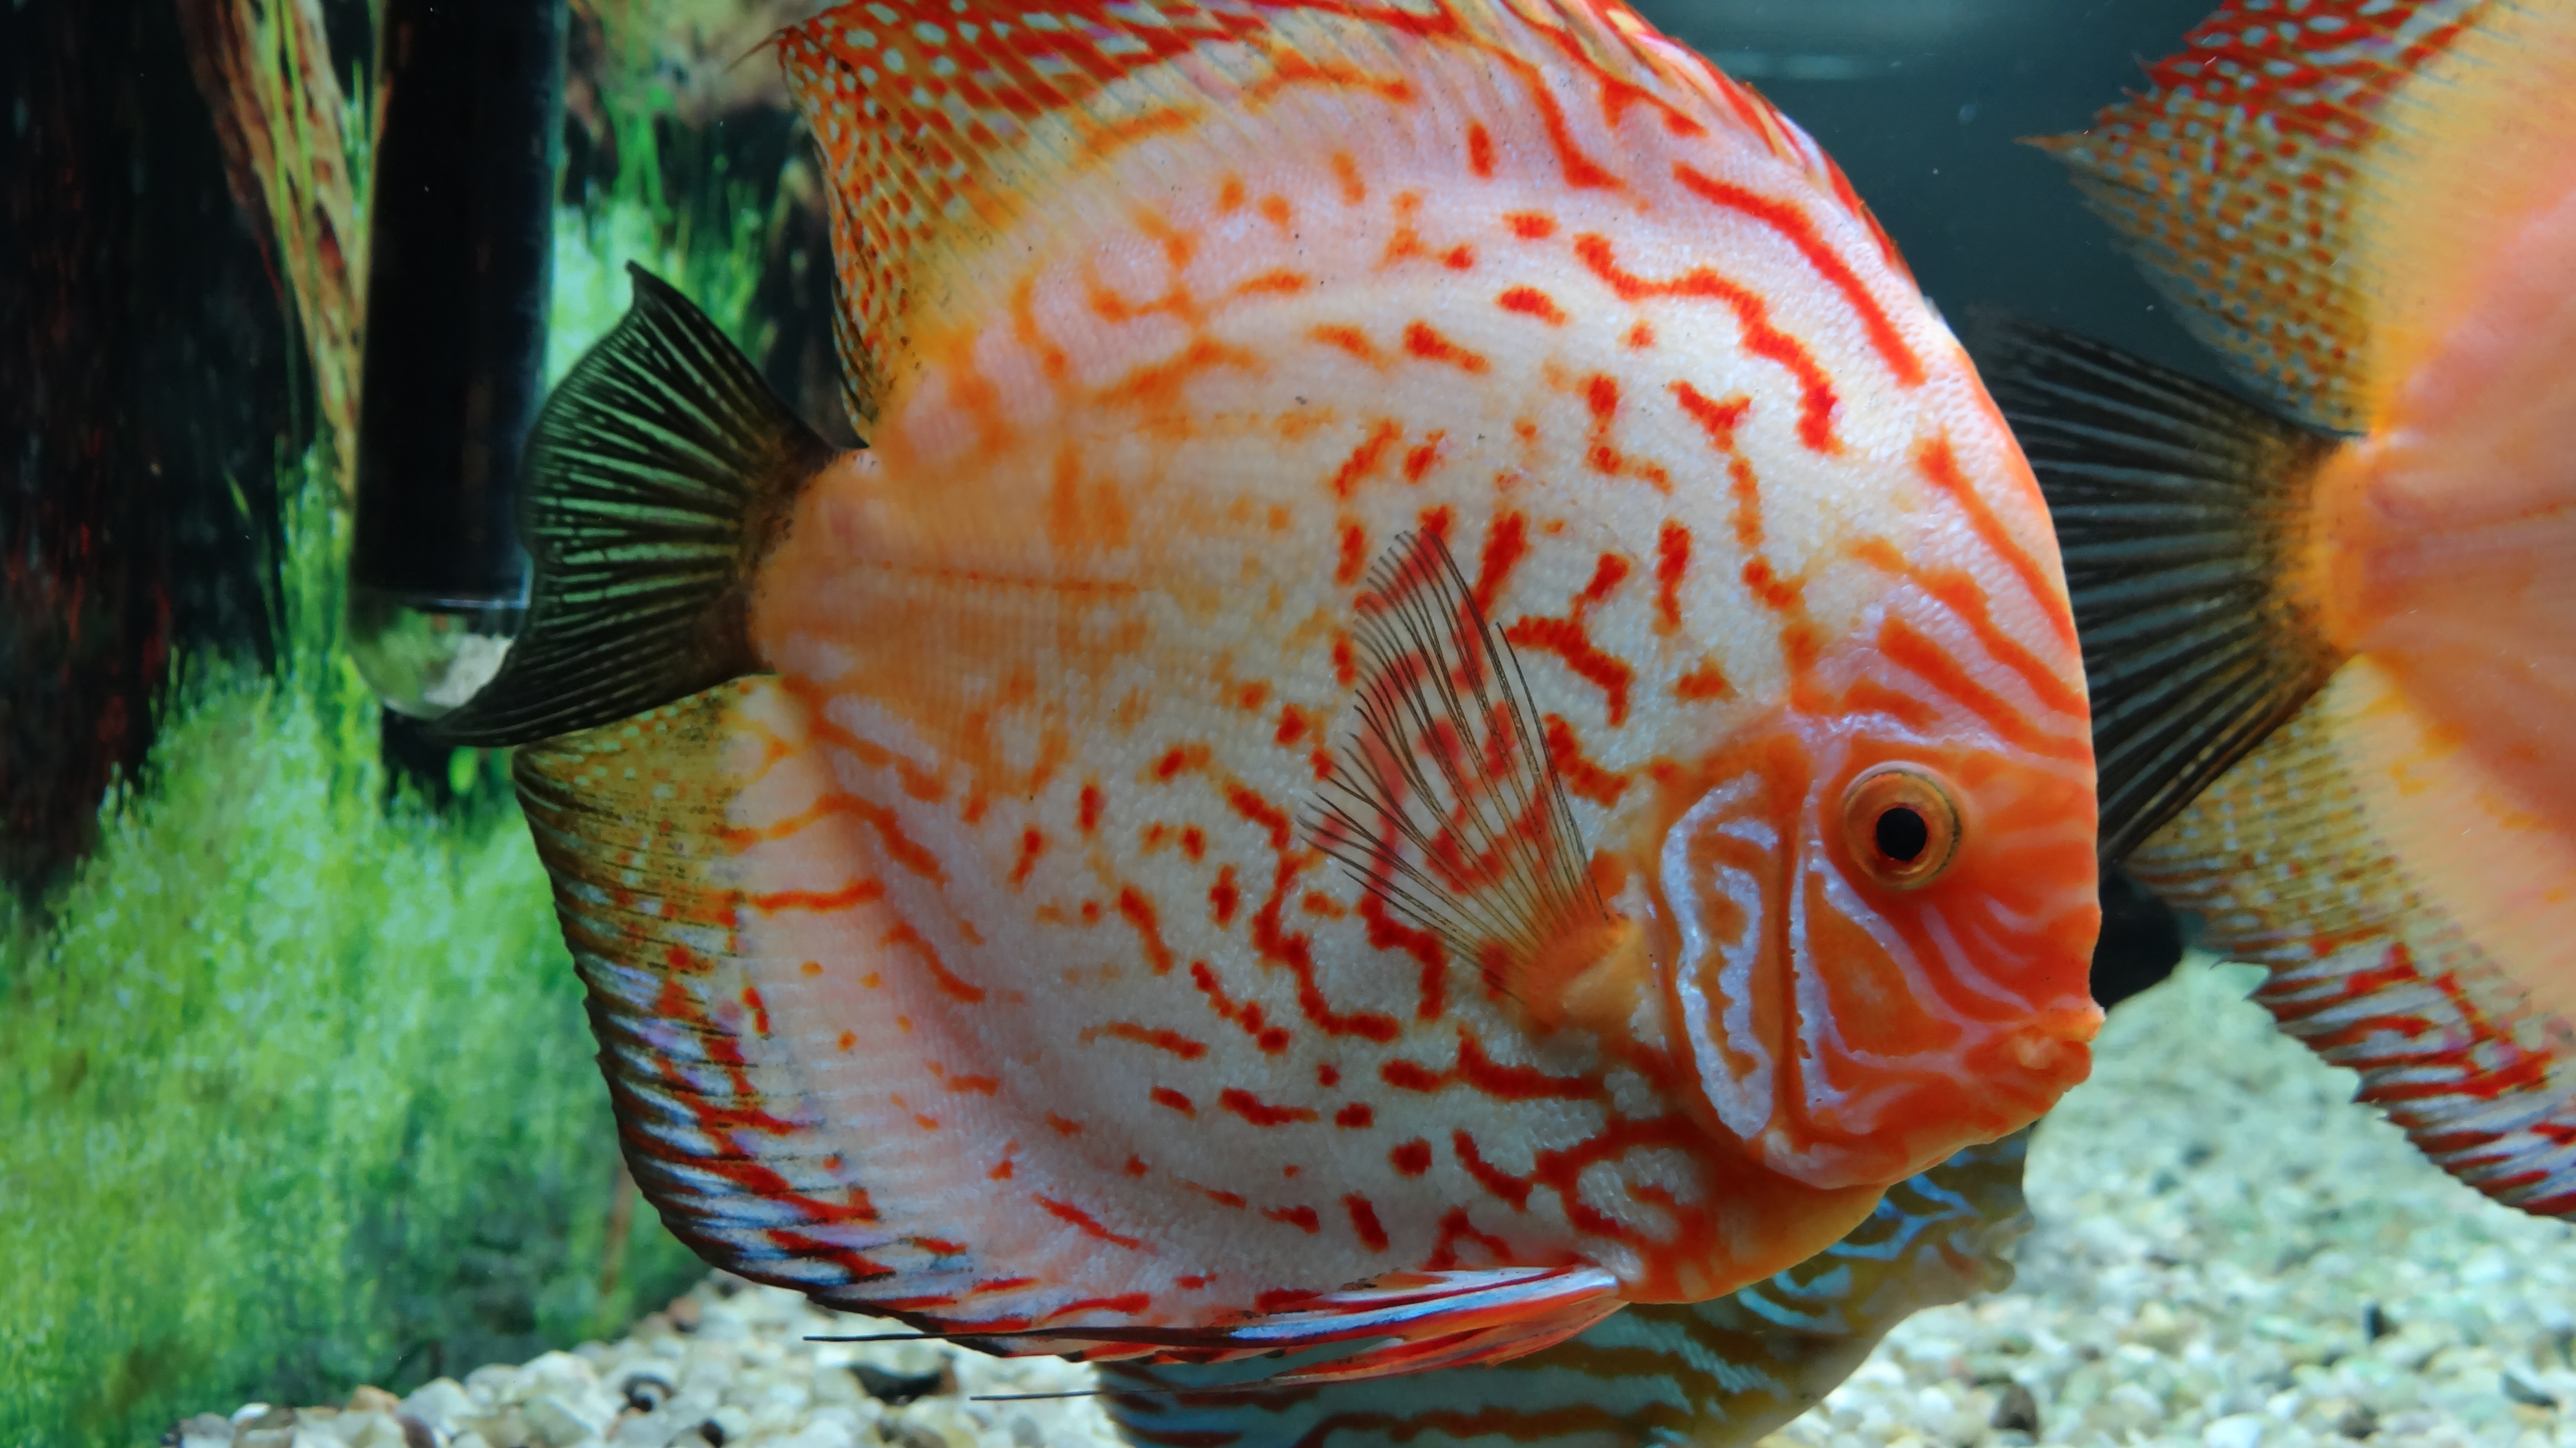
x,y
2045,1058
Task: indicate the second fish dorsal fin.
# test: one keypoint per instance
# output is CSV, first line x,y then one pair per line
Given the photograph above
x,y
1444,801
2183,516
2471,151
2236,180
943,122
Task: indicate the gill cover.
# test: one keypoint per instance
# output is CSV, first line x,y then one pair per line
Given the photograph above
x,y
1854,1016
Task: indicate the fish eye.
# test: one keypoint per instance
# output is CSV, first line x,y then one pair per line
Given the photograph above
x,y
1901,825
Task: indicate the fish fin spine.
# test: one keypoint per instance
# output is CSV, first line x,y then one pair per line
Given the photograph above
x,y
659,474
2185,518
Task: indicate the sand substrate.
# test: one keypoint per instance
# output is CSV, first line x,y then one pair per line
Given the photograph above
x,y
2228,1252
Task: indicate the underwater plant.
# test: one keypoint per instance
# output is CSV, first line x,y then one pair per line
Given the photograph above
x,y
298,1086
295,1088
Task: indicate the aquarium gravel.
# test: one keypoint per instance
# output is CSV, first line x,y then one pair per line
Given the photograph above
x,y
2228,1253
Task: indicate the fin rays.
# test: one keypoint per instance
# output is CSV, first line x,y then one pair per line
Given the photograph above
x,y
1445,802
657,474
2180,511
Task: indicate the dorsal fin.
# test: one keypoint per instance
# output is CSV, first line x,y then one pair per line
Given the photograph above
x,y
2481,141
943,121
2235,181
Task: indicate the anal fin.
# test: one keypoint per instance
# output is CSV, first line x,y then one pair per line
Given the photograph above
x,y
723,1136
1405,1322
1729,1370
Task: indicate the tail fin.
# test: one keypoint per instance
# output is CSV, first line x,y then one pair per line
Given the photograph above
x,y
2182,514
659,473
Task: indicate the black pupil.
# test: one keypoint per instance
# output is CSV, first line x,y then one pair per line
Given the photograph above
x,y
1902,834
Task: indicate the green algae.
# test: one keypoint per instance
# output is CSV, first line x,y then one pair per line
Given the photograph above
x,y
296,1091
300,1088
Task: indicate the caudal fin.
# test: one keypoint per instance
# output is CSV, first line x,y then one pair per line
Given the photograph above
x,y
2181,512
658,474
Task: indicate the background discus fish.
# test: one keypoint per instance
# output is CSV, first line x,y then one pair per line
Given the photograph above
x,y
1712,1374
2333,654
1437,703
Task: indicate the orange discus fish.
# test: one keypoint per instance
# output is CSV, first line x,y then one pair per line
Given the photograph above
x,y
1437,704
2350,633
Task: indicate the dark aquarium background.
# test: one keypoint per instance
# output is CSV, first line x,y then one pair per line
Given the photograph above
x,y
295,1088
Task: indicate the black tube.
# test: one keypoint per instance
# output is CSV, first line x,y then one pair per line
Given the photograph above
x,y
459,276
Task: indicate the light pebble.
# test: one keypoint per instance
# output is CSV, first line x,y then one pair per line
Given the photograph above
x,y
2214,1218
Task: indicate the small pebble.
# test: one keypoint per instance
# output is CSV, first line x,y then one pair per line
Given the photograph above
x,y
2236,1430
2524,1393
895,1389
2016,1411
202,1431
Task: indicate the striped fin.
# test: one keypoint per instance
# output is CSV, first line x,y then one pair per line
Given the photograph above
x,y
2183,515
2235,182
631,822
943,121
1446,802
1714,1374
2296,861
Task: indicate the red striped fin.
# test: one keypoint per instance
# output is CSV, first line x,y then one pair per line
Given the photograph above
x,y
1727,1371
629,822
1448,804
2235,180
2296,860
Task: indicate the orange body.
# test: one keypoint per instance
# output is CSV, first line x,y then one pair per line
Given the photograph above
x,y
1167,330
